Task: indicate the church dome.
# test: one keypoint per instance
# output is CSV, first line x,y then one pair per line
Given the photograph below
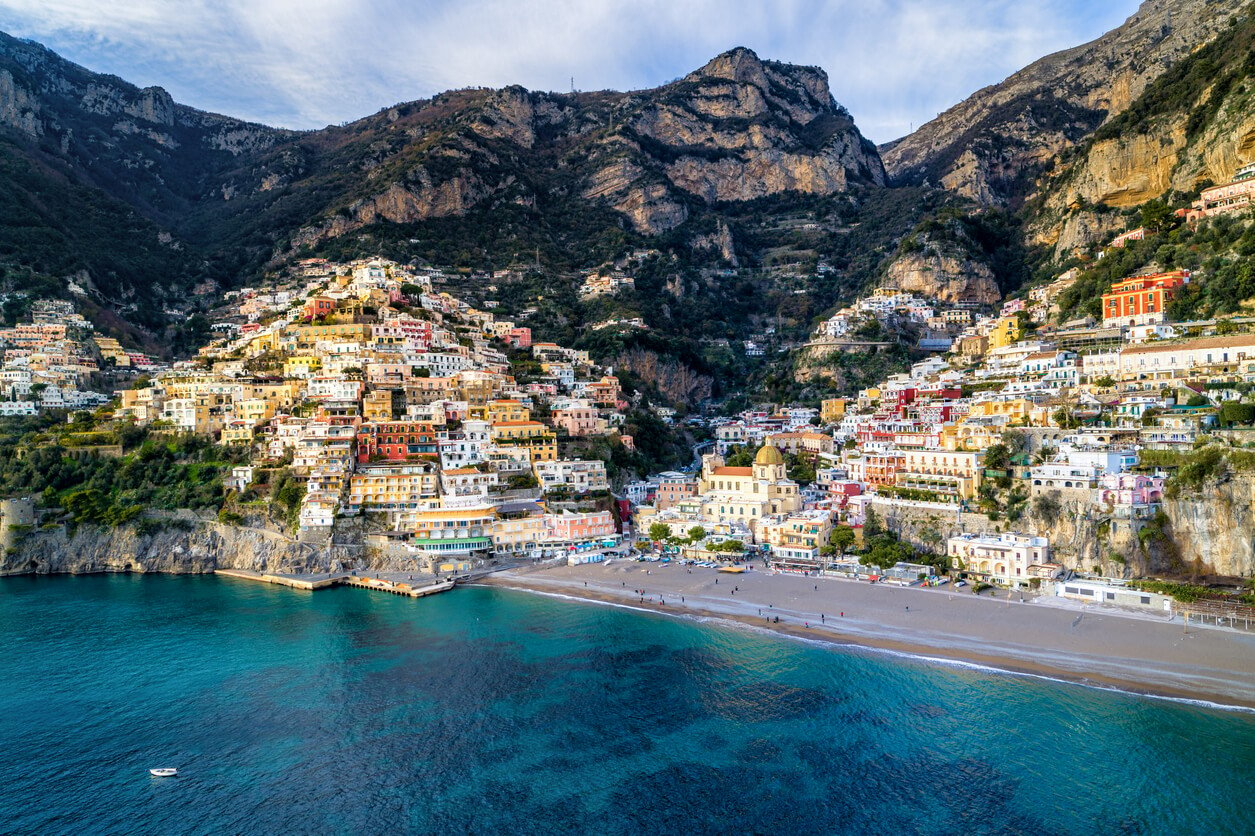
x,y
769,455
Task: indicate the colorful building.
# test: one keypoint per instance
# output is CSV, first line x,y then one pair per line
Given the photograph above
x,y
1141,300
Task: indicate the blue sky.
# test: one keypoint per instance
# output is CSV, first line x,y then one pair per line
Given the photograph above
x,y
308,63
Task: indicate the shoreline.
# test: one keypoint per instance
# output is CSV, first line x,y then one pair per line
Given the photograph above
x,y
1225,680
1176,676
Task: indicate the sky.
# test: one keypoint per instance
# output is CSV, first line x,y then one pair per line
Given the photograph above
x,y
894,64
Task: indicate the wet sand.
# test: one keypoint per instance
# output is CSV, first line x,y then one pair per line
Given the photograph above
x,y
1131,651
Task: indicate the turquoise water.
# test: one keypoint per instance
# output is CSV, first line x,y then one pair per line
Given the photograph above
x,y
486,711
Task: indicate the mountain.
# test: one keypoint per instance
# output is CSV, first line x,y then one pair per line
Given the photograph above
x,y
992,146
509,172
96,176
1192,127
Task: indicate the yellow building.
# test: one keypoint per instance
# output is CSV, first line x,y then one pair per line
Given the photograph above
x,y
511,431
518,534
305,337
973,347
949,473
969,436
450,533
798,536
1005,332
392,488
253,411
237,433
1017,411
301,365
747,494
507,411
832,410
377,405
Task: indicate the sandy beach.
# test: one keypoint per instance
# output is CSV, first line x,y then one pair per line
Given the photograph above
x,y
1133,651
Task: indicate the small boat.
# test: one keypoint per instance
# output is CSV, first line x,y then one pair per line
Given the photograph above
x,y
164,772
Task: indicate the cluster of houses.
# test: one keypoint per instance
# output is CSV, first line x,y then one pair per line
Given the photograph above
x,y
937,324
1081,404
397,405
55,360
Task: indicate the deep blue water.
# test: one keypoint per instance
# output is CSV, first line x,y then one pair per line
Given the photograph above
x,y
484,711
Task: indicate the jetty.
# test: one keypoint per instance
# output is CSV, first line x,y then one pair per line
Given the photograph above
x,y
418,589
400,587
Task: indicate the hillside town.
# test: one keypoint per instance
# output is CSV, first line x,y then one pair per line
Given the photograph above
x,y
396,404
451,436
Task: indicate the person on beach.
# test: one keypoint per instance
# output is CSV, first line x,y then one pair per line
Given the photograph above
x,y
821,618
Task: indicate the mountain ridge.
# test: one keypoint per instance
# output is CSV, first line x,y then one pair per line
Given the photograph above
x,y
992,146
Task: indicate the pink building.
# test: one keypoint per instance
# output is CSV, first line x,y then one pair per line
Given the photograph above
x,y
519,337
674,487
577,421
1130,489
568,528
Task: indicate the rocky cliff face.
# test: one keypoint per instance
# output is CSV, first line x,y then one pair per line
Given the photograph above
x,y
1213,529
195,547
991,146
203,547
946,278
739,128
1193,126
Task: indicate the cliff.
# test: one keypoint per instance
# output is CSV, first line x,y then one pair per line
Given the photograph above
x,y
198,547
944,277
1210,531
1192,127
737,129
1213,528
992,146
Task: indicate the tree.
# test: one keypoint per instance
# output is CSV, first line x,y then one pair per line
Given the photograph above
x,y
842,537
1064,418
696,534
1233,412
872,525
1157,216
659,531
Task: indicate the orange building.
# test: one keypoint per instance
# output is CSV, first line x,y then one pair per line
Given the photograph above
x,y
1141,300
318,306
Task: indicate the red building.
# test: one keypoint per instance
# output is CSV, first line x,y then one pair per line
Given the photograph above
x,y
519,337
395,441
1141,300
317,306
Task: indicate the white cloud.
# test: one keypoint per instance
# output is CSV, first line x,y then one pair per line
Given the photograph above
x,y
304,64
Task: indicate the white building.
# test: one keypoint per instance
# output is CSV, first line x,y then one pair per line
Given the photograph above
x,y
1008,559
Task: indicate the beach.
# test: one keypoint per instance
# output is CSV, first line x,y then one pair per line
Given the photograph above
x,y
1104,647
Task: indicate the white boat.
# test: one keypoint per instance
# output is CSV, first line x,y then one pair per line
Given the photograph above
x,y
164,772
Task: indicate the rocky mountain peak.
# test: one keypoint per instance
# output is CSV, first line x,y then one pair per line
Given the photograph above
x,y
991,146
737,64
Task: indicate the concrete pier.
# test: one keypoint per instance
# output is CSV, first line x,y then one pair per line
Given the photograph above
x,y
315,582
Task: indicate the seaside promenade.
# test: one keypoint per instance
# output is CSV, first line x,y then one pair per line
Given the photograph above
x,y
1139,652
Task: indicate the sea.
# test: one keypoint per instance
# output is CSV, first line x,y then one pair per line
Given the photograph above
x,y
487,710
